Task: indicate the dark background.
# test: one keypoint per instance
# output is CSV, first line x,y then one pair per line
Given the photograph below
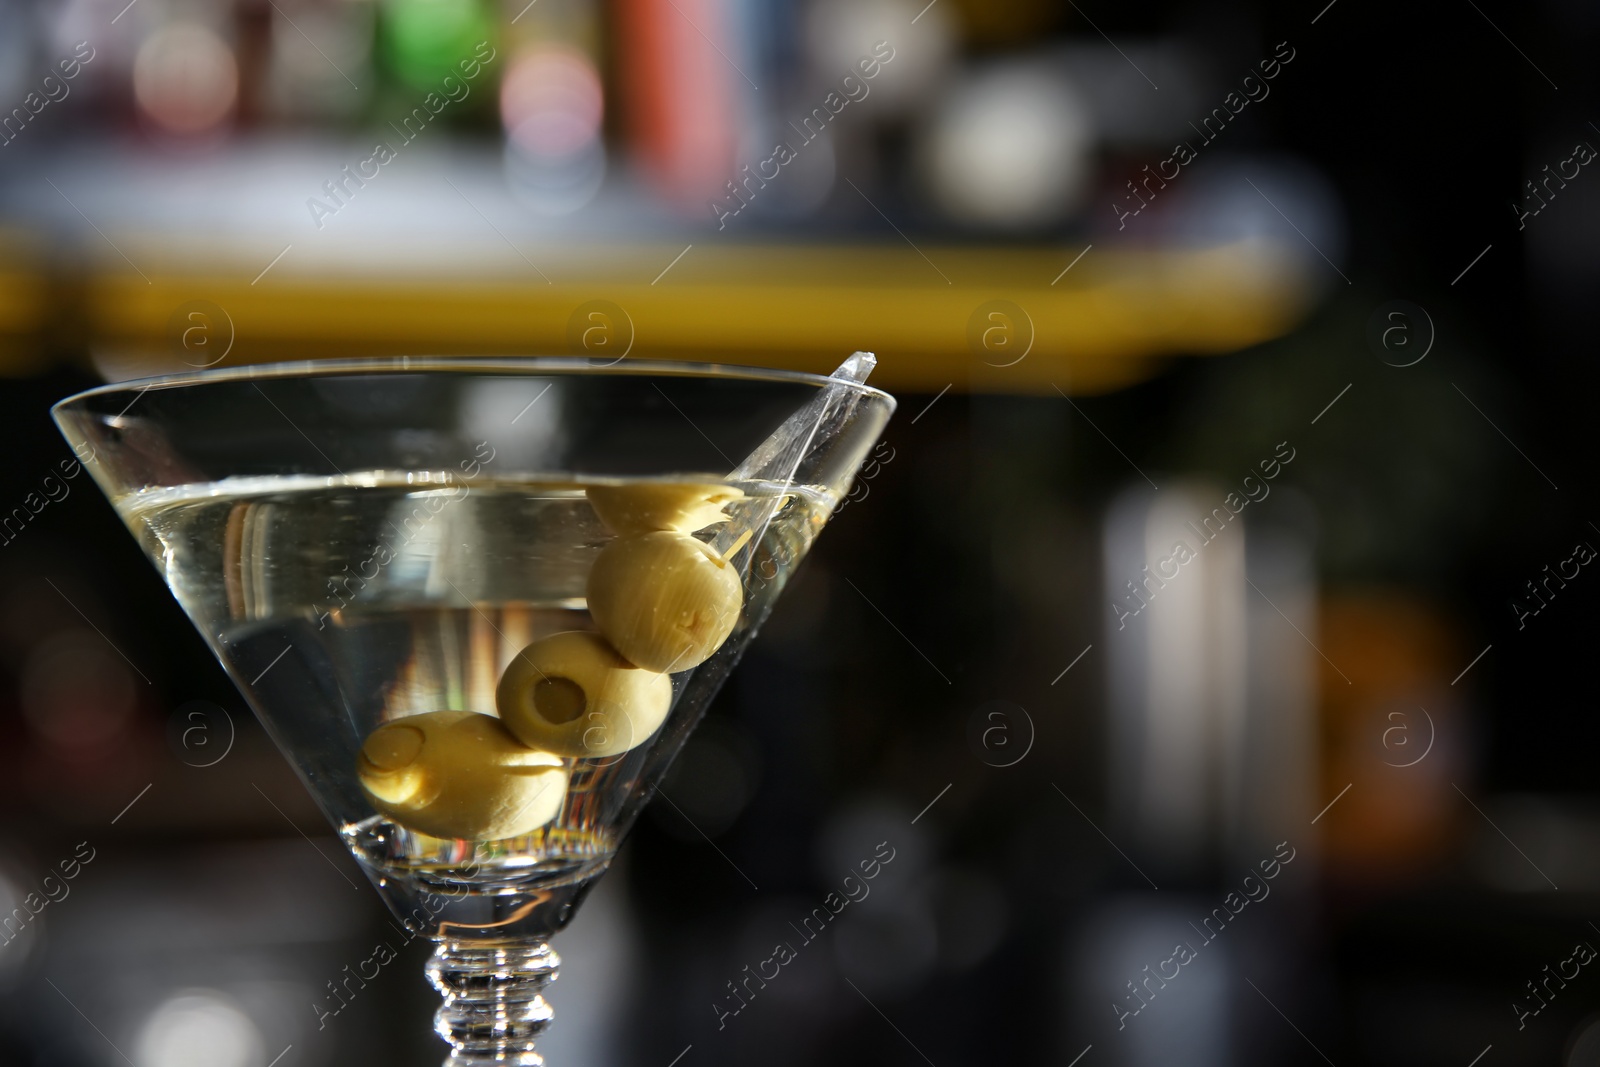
x,y
981,541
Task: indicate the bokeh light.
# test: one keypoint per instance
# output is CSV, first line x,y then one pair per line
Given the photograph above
x,y
185,79
423,40
552,105
199,1028
551,102
1009,148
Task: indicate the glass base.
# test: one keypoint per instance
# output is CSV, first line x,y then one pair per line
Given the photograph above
x,y
492,1010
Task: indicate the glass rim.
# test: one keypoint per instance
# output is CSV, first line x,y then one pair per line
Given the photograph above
x,y
530,365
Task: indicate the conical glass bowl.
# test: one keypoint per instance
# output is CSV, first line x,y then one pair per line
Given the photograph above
x,y
479,604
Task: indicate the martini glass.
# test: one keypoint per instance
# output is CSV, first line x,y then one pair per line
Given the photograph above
x,y
479,604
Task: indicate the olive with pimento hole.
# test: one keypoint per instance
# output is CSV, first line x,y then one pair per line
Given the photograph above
x,y
459,774
573,694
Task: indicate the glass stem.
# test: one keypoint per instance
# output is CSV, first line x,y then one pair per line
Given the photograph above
x,y
492,1009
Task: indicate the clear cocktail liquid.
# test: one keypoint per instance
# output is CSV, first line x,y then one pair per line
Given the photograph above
x,y
341,603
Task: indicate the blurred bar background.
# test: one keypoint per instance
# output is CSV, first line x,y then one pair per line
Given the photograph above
x,y
1184,554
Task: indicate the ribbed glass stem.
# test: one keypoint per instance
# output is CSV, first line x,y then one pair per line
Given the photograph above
x,y
492,1009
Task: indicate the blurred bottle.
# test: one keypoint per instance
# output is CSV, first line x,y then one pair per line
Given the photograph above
x,y
319,59
1396,733
423,41
910,46
772,33
678,77
1211,695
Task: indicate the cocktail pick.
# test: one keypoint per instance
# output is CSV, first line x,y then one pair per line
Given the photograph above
x,y
776,461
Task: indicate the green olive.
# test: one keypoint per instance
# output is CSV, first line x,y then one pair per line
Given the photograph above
x,y
664,600
640,507
573,694
459,774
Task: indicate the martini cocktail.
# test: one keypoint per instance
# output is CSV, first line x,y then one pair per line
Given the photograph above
x,y
479,605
